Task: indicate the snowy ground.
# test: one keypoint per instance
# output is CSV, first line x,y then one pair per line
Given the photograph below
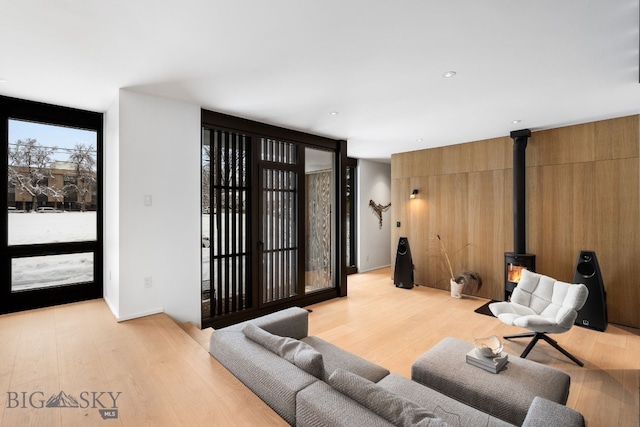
x,y
206,239
209,236
29,228
51,270
58,270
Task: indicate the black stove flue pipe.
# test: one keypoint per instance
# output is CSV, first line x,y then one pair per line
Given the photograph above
x,y
520,138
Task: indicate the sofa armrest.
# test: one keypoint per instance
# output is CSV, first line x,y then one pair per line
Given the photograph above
x,y
291,322
544,413
272,378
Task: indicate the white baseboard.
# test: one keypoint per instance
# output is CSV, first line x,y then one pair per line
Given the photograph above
x,y
111,307
374,268
137,315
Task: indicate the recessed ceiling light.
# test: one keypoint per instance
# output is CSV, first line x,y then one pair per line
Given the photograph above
x,y
419,140
3,80
334,113
515,121
449,74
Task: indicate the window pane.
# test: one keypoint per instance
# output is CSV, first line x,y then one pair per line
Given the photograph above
x,y
206,220
226,258
279,219
51,270
320,232
52,183
279,151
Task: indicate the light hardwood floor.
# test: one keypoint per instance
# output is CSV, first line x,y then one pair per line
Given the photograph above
x,y
167,379
393,327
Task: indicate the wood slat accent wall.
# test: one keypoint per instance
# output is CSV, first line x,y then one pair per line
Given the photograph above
x,y
583,193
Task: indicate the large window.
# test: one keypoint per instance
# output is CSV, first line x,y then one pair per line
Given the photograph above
x,y
272,209
51,221
226,252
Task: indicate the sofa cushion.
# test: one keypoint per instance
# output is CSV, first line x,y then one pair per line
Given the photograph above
x,y
392,407
450,410
335,357
319,404
545,413
297,352
507,395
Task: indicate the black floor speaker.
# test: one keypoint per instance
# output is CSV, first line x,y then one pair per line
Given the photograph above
x,y
403,272
593,314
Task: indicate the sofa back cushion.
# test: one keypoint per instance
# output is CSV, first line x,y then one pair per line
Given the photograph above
x,y
300,354
390,406
335,357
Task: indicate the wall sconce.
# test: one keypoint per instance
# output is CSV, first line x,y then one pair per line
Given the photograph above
x,y
414,193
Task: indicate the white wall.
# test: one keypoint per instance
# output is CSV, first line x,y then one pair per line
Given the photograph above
x,y
156,153
374,183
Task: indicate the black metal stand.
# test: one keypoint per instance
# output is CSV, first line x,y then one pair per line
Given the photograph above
x,y
540,335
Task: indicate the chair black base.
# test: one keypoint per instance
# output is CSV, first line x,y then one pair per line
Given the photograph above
x,y
540,335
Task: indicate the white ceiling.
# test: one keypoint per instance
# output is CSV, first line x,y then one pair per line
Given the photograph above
x,y
378,63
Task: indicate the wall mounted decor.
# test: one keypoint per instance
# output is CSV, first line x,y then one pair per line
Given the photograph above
x,y
378,209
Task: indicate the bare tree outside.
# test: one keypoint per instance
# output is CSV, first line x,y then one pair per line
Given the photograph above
x,y
229,173
30,169
84,179
223,170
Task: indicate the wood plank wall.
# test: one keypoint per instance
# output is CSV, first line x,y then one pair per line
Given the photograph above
x,y
583,193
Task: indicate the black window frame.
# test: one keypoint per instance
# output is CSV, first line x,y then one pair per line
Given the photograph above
x,y
257,131
20,109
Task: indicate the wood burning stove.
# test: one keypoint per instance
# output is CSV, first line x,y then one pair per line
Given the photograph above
x,y
515,261
513,265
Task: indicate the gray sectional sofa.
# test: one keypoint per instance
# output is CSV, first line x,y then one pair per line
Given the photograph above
x,y
310,382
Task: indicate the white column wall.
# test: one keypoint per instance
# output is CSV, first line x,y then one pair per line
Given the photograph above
x,y
157,154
